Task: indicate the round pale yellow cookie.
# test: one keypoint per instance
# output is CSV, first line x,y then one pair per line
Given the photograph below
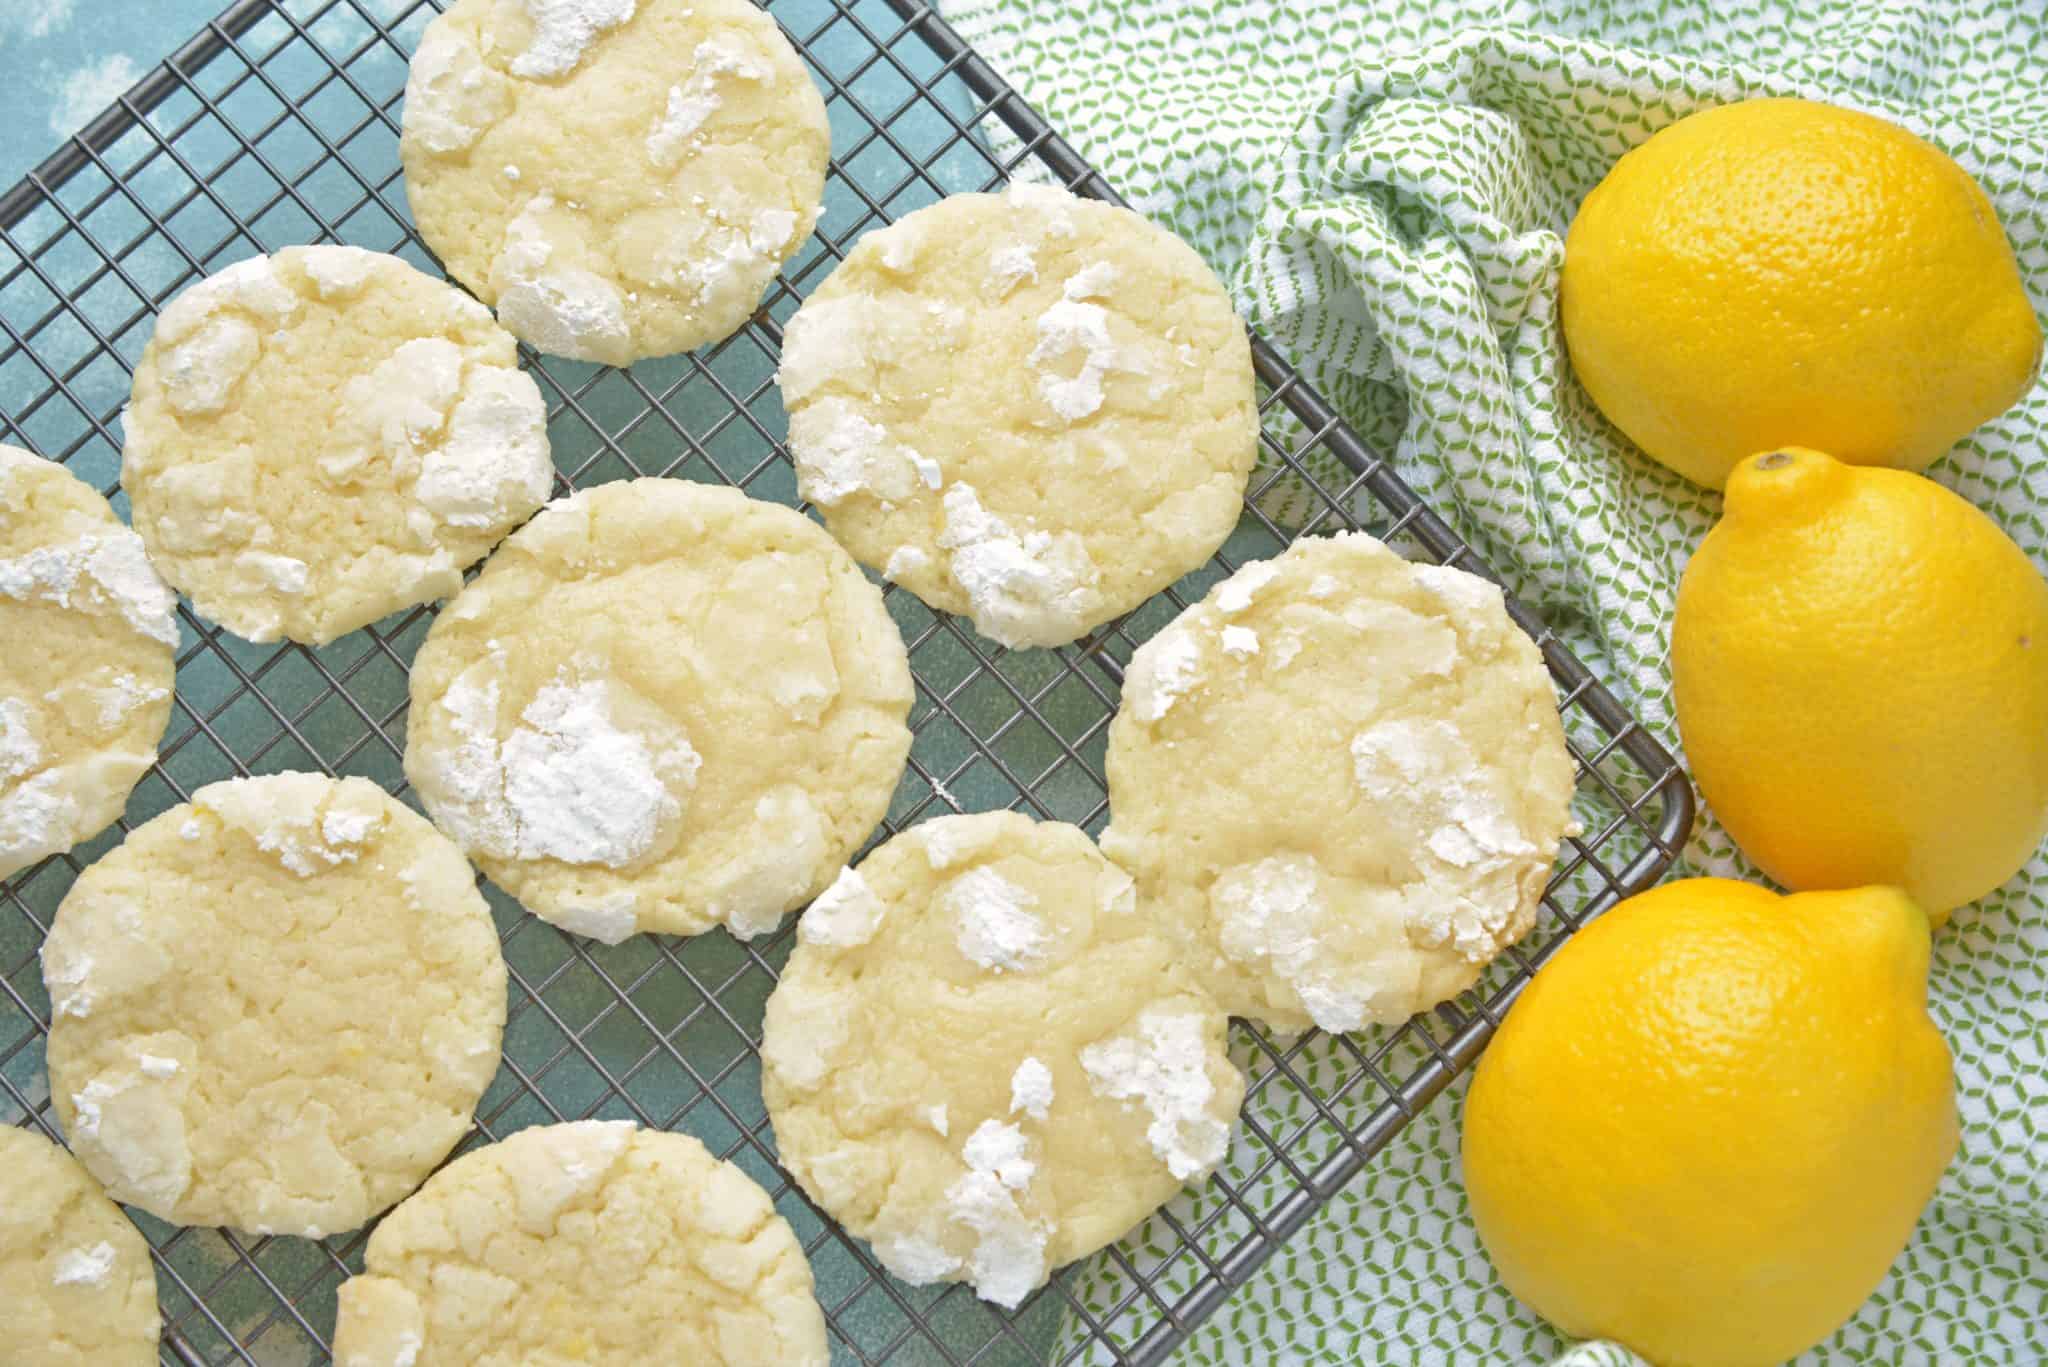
x,y
87,636
985,1061
1340,780
324,436
662,706
274,1007
76,1287
618,178
594,1242
1028,408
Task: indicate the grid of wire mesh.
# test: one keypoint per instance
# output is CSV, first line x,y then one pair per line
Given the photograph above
x,y
279,125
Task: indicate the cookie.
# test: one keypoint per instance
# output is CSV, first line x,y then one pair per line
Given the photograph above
x,y
76,1287
593,1242
1340,782
618,179
82,711
662,706
324,436
1027,408
274,1007
985,1061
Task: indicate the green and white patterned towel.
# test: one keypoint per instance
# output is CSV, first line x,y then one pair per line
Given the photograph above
x,y
1386,185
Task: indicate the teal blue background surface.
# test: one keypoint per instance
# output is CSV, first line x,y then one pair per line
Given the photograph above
x,y
65,60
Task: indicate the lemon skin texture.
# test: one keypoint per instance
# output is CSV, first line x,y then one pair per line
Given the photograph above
x,y
1782,271
1708,1126
1860,675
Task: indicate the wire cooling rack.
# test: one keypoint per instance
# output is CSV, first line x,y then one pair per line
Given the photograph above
x,y
279,125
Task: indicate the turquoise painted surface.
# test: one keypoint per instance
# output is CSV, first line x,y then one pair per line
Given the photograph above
x,y
65,60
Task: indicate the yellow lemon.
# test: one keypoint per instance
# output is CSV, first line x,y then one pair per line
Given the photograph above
x,y
1710,1123
1780,271
1860,673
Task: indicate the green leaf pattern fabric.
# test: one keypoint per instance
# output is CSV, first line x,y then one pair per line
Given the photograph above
x,y
1386,185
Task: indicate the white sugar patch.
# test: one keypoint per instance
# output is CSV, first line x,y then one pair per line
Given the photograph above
x,y
564,310
563,31
692,103
19,750
844,916
1010,266
1031,1089
1269,913
1240,642
84,1266
98,572
1164,1065
569,783
1029,588
609,920
1070,326
1235,593
1164,670
994,921
1091,282
493,466
1008,1261
583,789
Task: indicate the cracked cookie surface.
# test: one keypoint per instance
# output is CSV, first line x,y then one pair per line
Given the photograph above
x,y
325,436
984,1060
1027,408
662,706
76,1286
592,1242
274,1007
1340,781
618,178
82,712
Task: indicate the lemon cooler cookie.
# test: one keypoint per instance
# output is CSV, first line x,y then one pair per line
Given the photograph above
x,y
1028,408
1340,780
983,1059
662,706
90,632
274,1007
324,436
593,1242
76,1287
618,178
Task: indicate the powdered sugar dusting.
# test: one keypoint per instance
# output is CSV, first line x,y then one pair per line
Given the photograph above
x,y
1163,671
692,103
1067,327
1029,588
1240,642
1008,1261
1235,593
1091,282
609,919
1269,912
845,915
84,1266
1031,1089
19,750
1163,1064
562,309
563,31
995,923
98,572
569,783
493,466
1010,266
1470,839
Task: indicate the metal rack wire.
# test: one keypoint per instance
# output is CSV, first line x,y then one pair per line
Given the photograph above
x,y
279,124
